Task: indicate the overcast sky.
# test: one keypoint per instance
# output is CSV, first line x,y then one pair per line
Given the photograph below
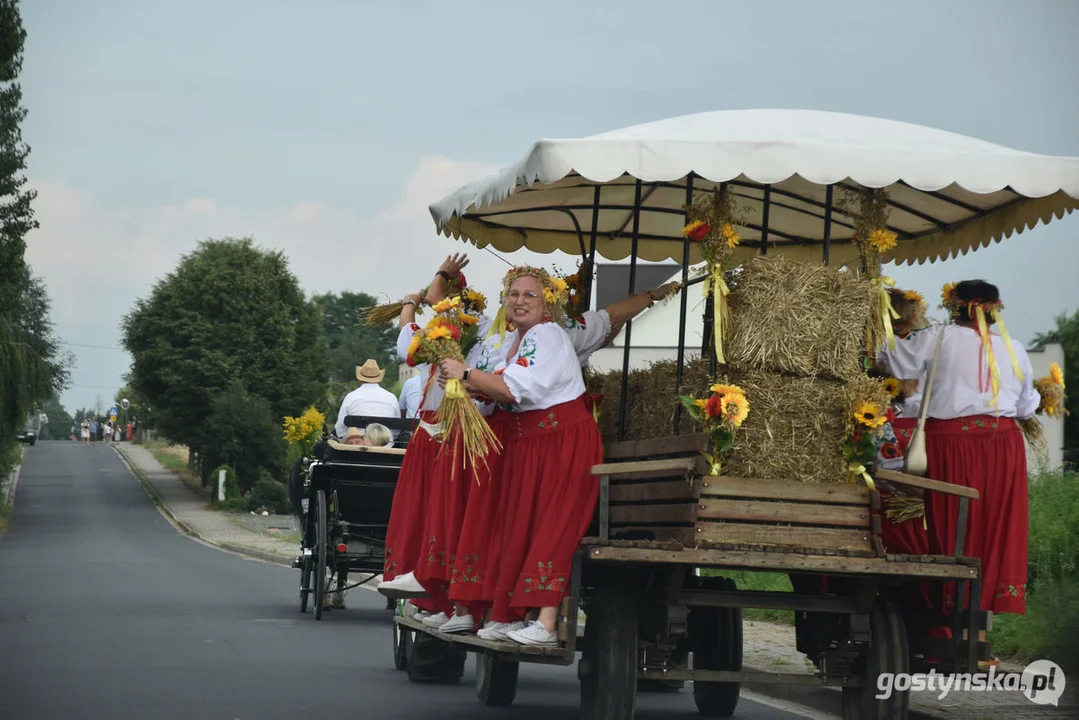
x,y
325,128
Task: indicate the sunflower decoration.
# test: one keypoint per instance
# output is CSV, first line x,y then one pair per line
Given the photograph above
x,y
579,285
869,411
714,221
723,411
891,386
1051,390
556,295
451,333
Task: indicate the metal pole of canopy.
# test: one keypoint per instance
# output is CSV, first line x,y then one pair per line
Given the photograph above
x,y
592,249
622,399
683,308
764,218
828,223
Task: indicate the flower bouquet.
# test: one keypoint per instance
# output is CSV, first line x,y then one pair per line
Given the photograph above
x,y
303,432
451,334
722,413
868,402
874,239
382,314
1051,390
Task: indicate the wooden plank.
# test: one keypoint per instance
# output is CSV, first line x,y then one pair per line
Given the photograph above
x,y
783,512
657,447
783,562
509,647
675,513
768,600
789,536
676,489
365,449
628,469
683,535
900,478
747,676
835,493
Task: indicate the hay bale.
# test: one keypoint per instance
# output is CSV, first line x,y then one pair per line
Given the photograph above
x,y
797,318
795,429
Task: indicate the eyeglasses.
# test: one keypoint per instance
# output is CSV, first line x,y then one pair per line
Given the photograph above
x,y
527,296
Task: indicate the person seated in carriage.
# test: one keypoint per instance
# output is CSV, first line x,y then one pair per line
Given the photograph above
x,y
374,435
369,399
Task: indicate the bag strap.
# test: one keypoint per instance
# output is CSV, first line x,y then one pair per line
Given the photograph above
x,y
923,412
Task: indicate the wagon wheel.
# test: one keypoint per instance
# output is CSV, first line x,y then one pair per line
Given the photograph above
x,y
608,668
322,534
400,646
716,634
305,582
430,660
887,652
496,680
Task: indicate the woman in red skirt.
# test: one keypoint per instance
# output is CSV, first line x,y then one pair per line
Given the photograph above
x,y
550,443
983,383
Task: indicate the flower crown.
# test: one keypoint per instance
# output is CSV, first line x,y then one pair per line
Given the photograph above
x,y
954,305
555,289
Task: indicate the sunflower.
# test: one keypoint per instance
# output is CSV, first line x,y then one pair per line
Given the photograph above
x,y
913,296
735,408
439,332
1056,374
946,293
414,345
720,389
882,240
870,415
474,300
469,319
891,386
447,304
730,235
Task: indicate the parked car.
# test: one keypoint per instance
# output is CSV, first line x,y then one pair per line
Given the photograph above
x,y
27,436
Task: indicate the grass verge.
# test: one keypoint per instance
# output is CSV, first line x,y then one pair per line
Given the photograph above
x,y
174,457
749,580
5,517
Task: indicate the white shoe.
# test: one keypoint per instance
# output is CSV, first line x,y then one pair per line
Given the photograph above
x,y
459,624
436,621
534,634
421,615
497,632
402,587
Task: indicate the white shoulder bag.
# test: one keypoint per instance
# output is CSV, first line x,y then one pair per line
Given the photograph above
x,y
916,462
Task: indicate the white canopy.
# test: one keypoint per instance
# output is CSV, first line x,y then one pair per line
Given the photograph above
x,y
948,193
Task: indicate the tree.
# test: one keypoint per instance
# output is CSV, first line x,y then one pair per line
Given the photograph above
x,y
27,375
242,433
59,424
1067,334
229,311
350,342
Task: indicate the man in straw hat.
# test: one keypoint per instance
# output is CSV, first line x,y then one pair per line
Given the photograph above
x,y
369,398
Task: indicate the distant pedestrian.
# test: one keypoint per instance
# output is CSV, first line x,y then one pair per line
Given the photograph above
x,y
85,432
93,430
108,431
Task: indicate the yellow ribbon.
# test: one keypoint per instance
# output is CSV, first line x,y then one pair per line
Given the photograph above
x,y
859,470
455,390
499,326
990,358
1008,344
721,313
887,311
713,463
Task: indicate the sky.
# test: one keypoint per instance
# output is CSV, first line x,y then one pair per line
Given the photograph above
x,y
325,128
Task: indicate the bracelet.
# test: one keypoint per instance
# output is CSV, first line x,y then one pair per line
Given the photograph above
x,y
409,302
444,275
465,376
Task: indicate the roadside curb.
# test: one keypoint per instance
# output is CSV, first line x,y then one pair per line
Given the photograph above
x,y
187,529
13,483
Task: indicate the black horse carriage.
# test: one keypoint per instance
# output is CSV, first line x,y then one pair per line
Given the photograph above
x,y
342,495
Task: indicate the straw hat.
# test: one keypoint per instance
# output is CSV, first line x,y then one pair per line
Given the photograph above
x,y
369,372
351,433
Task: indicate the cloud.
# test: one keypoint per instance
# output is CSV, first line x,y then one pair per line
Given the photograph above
x,y
97,260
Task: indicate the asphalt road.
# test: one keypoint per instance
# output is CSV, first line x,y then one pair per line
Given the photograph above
x,y
107,612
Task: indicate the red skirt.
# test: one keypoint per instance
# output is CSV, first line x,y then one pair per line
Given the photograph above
x,y
909,537
404,536
989,455
477,542
548,501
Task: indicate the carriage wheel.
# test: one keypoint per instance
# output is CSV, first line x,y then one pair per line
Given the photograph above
x,y
496,680
716,634
322,534
608,667
400,646
305,583
887,652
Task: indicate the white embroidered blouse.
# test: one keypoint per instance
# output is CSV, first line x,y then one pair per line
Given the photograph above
x,y
544,372
962,385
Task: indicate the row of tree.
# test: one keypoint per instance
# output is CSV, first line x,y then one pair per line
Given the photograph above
x,y
33,367
227,345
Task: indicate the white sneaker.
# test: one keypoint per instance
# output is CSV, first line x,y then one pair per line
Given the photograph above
x,y
436,621
534,634
402,587
459,624
497,632
420,615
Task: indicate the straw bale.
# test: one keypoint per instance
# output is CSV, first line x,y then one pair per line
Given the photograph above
x,y
798,318
795,428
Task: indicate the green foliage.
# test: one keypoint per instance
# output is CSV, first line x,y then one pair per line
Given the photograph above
x,y
229,312
350,342
764,581
269,494
1067,334
59,425
1052,620
241,432
10,455
237,504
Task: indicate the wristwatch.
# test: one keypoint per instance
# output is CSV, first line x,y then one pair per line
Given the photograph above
x,y
465,376
444,275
